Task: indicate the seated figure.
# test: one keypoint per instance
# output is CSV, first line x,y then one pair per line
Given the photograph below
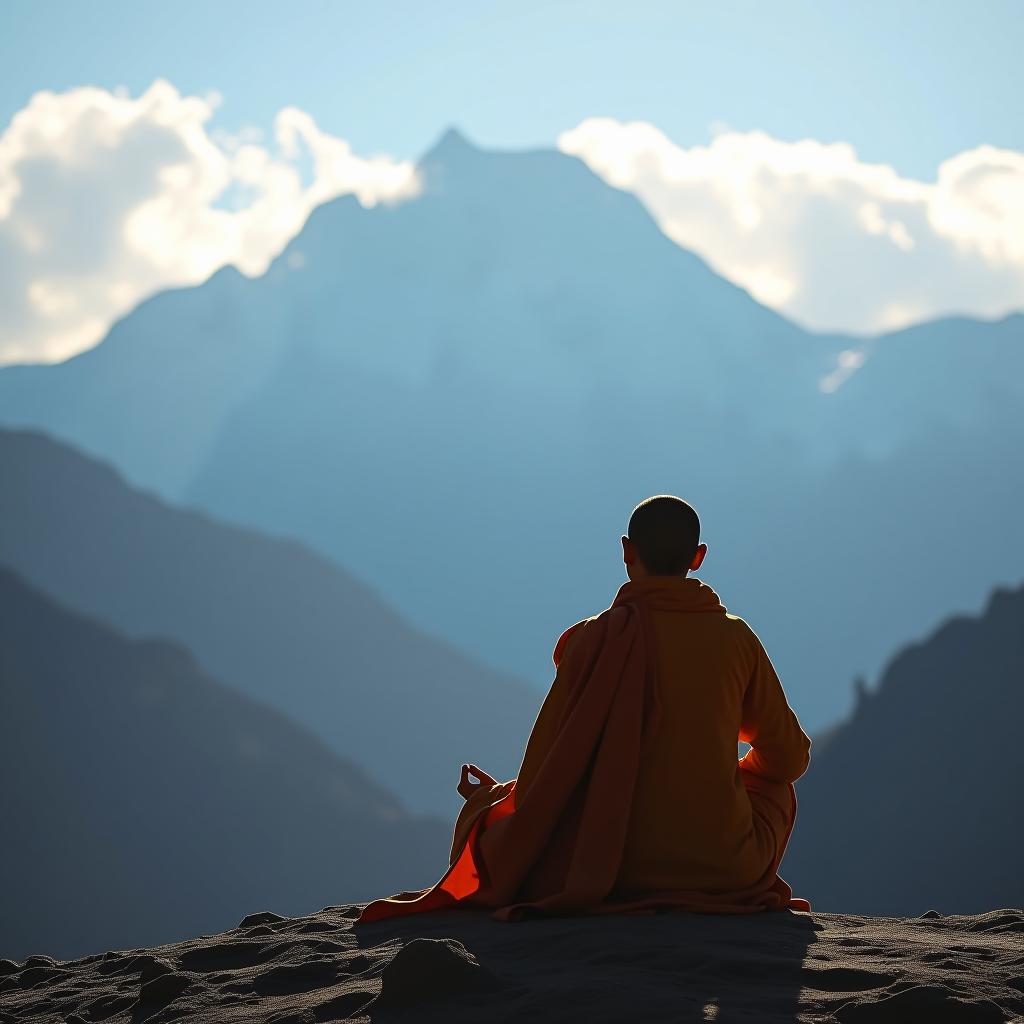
x,y
631,795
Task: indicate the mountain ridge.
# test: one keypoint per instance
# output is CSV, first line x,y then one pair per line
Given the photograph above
x,y
265,615
146,802
925,766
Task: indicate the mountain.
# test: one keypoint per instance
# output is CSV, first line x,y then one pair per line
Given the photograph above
x,y
952,375
506,264
460,397
915,803
153,408
268,617
145,802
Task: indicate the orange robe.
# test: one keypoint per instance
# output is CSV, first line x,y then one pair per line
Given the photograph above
x,y
630,795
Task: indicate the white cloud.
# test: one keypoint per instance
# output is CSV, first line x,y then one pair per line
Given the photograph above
x,y
821,236
105,199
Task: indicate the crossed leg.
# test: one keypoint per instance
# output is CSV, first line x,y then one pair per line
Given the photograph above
x,y
774,807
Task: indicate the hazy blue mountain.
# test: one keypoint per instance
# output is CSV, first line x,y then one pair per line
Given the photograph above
x,y
269,617
955,373
510,265
460,398
915,802
144,802
153,407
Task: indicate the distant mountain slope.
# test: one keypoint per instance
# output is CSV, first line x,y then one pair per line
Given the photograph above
x,y
144,802
915,803
952,374
161,384
269,617
461,396
513,265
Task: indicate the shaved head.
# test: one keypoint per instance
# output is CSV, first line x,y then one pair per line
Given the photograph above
x,y
665,532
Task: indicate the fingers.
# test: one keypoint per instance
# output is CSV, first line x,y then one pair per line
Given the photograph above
x,y
466,786
482,775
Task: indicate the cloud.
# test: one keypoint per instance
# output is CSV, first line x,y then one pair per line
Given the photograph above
x,y
814,232
105,199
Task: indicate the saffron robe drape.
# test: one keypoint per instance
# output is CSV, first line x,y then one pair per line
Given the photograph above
x,y
553,840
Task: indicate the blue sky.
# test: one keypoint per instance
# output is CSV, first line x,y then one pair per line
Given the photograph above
x,y
907,84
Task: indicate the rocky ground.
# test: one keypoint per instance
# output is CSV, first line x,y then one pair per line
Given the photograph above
x,y
465,967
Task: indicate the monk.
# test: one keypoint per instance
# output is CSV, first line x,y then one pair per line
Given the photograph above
x,y
631,796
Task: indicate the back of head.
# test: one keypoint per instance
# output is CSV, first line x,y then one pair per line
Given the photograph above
x,y
665,531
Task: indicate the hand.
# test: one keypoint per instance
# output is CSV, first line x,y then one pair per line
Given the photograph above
x,y
468,788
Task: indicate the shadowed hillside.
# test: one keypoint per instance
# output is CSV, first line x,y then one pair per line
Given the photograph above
x,y
267,616
144,802
915,803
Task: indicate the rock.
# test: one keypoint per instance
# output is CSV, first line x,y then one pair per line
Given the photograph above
x,y
263,917
296,977
429,969
344,1006
105,1006
350,911
921,1003
39,961
37,976
116,963
163,989
151,967
999,921
661,968
292,1017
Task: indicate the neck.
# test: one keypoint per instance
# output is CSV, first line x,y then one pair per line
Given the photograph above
x,y
636,575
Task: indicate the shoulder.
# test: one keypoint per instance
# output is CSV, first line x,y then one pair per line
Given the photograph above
x,y
743,634
570,638
739,626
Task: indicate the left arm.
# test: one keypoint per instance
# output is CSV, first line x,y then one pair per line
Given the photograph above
x,y
552,713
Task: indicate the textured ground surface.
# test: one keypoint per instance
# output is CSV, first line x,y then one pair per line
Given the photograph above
x,y
466,967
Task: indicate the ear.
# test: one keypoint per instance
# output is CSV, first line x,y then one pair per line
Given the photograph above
x,y
628,551
702,550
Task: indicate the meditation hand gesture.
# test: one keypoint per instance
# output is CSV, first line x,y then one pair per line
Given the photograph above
x,y
468,788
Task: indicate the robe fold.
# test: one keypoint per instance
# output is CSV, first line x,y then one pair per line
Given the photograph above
x,y
579,831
